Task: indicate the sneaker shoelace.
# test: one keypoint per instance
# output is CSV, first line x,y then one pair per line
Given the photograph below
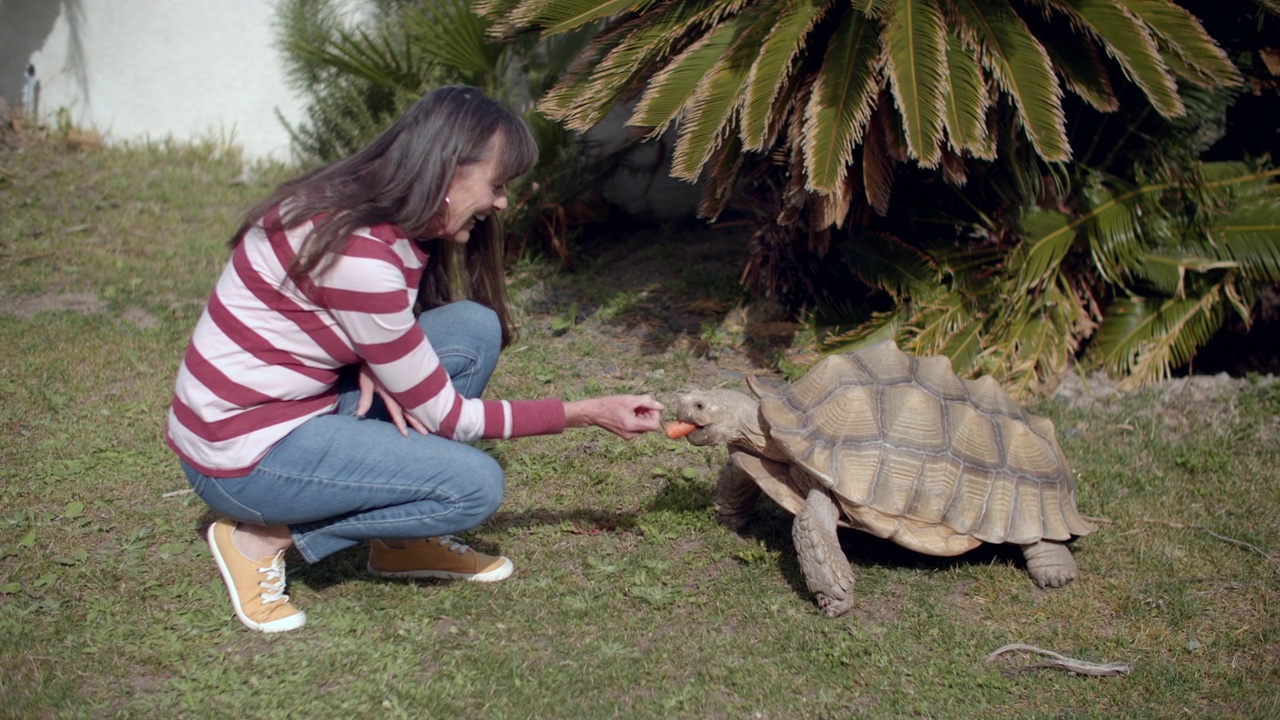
x,y
448,543
273,587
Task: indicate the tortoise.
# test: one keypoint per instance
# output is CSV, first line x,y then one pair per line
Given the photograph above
x,y
897,446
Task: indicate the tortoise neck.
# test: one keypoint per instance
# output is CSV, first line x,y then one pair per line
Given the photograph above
x,y
758,442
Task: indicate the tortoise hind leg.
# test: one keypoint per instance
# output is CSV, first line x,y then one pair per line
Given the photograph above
x,y
1050,563
826,570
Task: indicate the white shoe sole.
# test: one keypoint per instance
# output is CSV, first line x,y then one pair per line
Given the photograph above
x,y
502,572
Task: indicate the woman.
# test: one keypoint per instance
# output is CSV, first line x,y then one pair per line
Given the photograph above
x,y
308,366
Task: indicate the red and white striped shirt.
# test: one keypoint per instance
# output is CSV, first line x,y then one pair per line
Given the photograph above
x,y
266,353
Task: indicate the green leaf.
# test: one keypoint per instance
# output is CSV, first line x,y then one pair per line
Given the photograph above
x,y
882,326
1048,239
784,43
459,38
1187,37
885,262
711,112
1145,338
843,97
916,63
670,91
1021,68
966,103
964,346
1077,60
1131,44
73,510
562,15
10,588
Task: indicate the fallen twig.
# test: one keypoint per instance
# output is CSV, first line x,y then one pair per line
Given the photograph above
x,y
1079,667
1223,538
175,493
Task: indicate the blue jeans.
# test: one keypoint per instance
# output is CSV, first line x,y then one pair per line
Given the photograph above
x,y
338,479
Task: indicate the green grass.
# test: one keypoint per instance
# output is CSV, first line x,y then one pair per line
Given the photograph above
x,y
629,600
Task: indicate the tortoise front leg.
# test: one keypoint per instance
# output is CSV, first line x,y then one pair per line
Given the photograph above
x,y
826,569
1050,563
736,495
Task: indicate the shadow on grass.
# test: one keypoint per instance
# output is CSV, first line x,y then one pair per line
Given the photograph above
x,y
771,526
665,286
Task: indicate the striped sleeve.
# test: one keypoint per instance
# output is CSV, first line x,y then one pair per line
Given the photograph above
x,y
367,292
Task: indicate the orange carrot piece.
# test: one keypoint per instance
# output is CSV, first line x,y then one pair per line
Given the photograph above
x,y
677,429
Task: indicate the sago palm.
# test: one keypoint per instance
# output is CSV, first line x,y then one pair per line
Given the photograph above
x,y
846,88
811,109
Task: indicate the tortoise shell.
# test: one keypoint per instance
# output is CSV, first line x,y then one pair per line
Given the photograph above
x,y
919,456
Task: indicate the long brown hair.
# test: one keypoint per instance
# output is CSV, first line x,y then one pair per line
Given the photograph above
x,y
401,178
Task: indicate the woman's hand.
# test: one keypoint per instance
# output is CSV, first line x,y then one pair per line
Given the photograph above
x,y
626,416
368,386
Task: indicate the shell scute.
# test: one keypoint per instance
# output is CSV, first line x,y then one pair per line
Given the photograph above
x,y
934,373
913,418
975,439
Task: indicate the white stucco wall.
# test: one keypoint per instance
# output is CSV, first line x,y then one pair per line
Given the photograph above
x,y
153,69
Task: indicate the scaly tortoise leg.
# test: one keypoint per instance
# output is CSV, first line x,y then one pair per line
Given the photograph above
x,y
736,496
1050,563
825,567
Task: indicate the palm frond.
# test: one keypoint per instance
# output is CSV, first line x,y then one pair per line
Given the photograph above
x,y
877,159
784,43
1143,339
565,99
882,326
671,89
964,345
1048,237
916,64
841,103
1166,269
1113,227
562,15
384,59
1187,38
885,262
1021,67
714,106
461,38
1078,62
1131,44
1251,237
966,102
721,178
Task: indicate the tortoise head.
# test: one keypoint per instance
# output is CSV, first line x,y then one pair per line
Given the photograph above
x,y
722,417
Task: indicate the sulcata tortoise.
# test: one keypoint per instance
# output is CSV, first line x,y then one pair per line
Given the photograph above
x,y
897,446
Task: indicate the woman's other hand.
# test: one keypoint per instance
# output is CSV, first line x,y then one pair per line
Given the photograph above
x,y
370,385
626,416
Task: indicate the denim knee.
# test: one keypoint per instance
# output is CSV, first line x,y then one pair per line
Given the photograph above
x,y
481,317
485,488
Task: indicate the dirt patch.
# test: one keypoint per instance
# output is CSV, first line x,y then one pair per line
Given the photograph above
x,y
28,306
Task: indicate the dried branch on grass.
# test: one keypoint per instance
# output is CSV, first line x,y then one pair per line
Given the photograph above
x,y
1079,667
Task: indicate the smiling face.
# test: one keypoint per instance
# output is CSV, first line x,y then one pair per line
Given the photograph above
x,y
476,191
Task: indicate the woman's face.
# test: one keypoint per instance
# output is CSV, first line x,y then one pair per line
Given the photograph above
x,y
475,192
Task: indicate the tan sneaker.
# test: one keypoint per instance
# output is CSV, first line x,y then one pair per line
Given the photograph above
x,y
438,557
256,587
